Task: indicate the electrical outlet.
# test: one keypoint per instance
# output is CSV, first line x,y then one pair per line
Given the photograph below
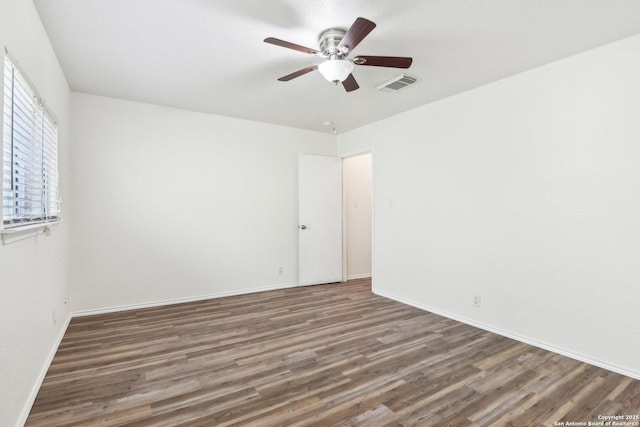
x,y
280,270
477,302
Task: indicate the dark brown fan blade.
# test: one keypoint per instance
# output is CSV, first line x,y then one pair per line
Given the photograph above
x,y
350,83
358,31
384,61
298,73
290,45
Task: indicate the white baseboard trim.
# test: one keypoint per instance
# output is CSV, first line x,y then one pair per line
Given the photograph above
x,y
43,372
359,276
502,332
161,303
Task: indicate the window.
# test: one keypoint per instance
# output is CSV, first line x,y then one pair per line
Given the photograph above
x,y
30,155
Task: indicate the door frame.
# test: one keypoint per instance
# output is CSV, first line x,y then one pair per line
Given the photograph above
x,y
345,256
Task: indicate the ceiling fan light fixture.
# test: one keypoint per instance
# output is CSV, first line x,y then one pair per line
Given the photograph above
x,y
335,46
336,70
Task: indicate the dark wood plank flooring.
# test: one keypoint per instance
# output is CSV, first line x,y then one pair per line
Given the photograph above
x,y
321,355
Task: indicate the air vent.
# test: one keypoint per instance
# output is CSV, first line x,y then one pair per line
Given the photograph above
x,y
396,83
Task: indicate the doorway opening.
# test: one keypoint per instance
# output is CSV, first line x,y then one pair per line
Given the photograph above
x,y
357,217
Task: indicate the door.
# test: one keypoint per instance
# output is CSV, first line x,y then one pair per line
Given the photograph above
x,y
319,219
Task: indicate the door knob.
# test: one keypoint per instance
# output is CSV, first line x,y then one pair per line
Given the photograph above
x,y
303,227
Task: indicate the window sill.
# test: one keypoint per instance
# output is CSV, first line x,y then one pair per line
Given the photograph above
x,y
10,235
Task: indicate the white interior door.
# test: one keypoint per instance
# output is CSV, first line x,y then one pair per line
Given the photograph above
x,y
319,219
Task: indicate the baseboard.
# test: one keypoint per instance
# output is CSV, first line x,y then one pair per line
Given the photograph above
x,y
359,276
498,331
43,372
160,303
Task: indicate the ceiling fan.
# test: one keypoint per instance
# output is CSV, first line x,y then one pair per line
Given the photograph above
x,y
335,45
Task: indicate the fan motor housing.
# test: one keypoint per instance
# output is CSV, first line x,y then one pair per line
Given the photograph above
x,y
329,41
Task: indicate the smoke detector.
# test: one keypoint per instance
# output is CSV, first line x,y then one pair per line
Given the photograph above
x,y
396,83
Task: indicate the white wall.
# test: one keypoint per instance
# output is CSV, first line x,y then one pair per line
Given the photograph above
x,y
357,208
178,204
33,271
525,192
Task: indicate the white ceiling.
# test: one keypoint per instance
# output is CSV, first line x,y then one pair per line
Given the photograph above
x,y
209,55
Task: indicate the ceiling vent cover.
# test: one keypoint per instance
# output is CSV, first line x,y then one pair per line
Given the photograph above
x,y
396,83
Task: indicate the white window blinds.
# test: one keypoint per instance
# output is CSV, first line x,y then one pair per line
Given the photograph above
x,y
30,155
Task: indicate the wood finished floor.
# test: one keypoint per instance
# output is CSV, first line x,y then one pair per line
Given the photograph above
x,y
321,355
